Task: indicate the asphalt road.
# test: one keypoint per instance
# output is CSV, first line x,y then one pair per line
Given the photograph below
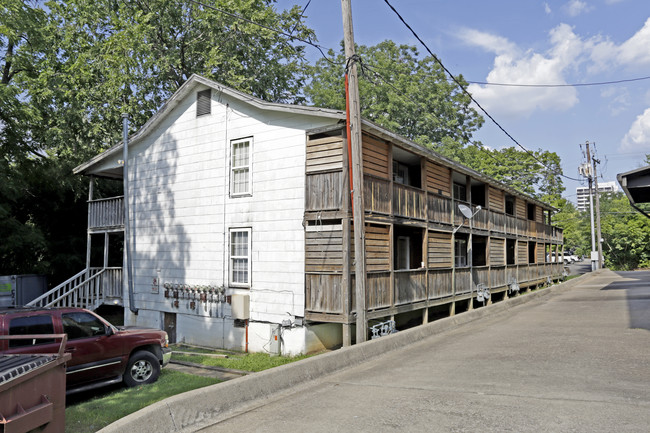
x,y
575,361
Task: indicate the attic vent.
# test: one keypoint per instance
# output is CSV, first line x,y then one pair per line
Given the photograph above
x,y
203,99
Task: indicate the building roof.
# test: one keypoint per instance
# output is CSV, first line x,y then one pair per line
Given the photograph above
x,y
636,184
338,116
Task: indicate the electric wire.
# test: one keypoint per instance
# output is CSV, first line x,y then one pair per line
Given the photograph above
x,y
599,83
365,68
469,94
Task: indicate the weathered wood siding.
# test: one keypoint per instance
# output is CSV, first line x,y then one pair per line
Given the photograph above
x,y
377,194
496,199
325,153
324,191
410,286
497,252
409,202
378,290
522,252
439,209
439,251
440,283
438,179
539,214
377,247
324,293
540,253
520,210
375,157
323,248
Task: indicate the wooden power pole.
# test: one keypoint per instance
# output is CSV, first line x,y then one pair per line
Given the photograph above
x,y
356,182
599,244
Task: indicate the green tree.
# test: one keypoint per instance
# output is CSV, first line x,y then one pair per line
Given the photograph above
x,y
69,69
626,234
575,226
403,93
535,173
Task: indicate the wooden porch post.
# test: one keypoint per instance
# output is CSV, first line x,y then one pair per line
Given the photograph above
x,y
91,186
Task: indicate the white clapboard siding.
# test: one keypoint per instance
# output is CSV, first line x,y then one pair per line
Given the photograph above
x,y
179,182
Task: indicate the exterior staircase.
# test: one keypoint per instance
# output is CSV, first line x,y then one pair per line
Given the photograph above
x,y
88,289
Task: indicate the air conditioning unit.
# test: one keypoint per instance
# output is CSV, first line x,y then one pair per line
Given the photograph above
x,y
240,307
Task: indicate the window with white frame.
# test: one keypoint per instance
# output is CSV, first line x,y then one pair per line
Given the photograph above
x,y
240,257
240,167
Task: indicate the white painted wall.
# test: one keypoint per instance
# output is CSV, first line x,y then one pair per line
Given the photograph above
x,y
181,215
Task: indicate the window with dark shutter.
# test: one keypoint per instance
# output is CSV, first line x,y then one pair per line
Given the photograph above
x,y
203,99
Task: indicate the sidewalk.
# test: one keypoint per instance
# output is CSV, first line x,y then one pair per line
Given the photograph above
x,y
567,360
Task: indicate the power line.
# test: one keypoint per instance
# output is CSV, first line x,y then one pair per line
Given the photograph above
x,y
366,68
469,94
601,83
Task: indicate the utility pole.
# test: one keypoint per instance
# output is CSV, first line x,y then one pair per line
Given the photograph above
x,y
599,239
353,112
587,171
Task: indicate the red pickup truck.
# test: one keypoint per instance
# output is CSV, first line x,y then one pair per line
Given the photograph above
x,y
102,354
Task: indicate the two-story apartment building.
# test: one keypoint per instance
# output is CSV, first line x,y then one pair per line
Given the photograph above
x,y
240,225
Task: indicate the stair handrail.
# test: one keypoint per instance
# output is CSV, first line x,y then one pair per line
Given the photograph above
x,y
38,301
71,284
93,295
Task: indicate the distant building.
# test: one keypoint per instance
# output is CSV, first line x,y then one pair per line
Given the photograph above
x,y
583,193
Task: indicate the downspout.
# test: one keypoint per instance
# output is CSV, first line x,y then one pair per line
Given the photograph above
x,y
127,243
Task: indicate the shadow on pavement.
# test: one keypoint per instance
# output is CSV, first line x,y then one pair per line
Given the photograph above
x,y
636,285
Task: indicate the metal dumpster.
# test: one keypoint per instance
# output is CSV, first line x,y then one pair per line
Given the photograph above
x,y
32,389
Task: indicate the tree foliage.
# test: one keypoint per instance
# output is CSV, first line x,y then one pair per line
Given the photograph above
x,y
626,233
68,71
573,223
535,173
403,93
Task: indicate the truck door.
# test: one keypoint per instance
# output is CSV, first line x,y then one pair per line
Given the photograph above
x,y
95,355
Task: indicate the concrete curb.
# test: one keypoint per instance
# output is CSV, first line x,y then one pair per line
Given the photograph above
x,y
199,408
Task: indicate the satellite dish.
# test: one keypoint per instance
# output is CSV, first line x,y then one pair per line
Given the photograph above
x,y
465,210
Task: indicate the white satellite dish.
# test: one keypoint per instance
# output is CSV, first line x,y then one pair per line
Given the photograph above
x,y
465,210
467,213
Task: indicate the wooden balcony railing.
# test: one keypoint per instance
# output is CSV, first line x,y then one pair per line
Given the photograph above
x,y
409,202
106,213
377,195
324,293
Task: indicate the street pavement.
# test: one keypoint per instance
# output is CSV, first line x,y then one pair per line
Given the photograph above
x,y
577,360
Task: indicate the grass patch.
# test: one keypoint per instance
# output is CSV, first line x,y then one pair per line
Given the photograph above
x,y
237,361
88,416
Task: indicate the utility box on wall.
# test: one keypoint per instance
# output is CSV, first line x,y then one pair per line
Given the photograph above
x,y
240,306
275,343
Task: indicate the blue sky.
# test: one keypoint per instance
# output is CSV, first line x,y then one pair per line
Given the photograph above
x,y
528,42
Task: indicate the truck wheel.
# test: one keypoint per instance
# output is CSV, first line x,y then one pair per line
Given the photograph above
x,y
143,368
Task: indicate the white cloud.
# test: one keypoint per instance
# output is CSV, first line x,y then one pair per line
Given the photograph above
x,y
547,8
635,50
638,137
568,55
632,53
487,41
576,7
513,66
